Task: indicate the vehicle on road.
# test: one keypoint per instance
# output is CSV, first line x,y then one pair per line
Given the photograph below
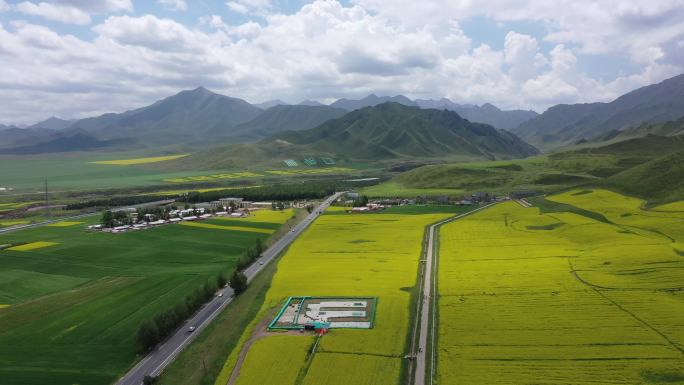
x,y
261,262
220,294
191,329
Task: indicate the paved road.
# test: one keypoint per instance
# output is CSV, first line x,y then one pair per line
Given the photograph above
x,y
164,354
60,219
428,306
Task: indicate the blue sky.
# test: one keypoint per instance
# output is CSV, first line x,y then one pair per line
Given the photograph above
x,y
76,58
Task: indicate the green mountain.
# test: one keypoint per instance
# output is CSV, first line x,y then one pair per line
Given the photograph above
x,y
670,128
393,130
387,132
285,118
187,117
565,124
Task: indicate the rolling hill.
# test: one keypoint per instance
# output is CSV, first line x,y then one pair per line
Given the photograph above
x,y
658,180
567,124
650,167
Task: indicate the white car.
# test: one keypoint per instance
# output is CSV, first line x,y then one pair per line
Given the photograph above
x,y
261,262
220,294
191,329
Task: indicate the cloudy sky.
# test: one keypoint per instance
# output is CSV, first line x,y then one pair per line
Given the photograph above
x,y
76,58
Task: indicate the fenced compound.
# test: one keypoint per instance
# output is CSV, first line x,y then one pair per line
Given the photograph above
x,y
315,313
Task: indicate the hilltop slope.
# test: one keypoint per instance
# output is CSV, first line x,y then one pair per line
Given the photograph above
x,y
285,118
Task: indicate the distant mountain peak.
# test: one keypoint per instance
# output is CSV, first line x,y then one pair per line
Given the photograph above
x,y
309,102
271,103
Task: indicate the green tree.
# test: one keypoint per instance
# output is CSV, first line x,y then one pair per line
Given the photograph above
x,y
361,201
107,219
221,280
148,335
238,282
259,247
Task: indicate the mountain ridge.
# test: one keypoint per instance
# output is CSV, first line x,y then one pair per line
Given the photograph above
x,y
567,124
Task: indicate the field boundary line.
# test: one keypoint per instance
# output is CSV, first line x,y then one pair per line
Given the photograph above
x,y
428,298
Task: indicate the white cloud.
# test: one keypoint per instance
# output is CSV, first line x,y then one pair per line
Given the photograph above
x,y
4,7
327,50
521,52
99,6
174,5
60,13
258,7
151,32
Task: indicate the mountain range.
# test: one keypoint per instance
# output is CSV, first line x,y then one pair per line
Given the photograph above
x,y
199,118
196,117
568,124
388,131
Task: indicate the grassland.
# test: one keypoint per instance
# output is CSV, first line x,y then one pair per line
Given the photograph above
x,y
342,255
134,161
396,189
562,297
76,304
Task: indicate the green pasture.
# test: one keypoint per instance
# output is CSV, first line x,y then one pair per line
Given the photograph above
x,y
75,306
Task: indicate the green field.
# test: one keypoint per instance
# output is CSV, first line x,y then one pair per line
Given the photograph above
x,y
592,295
76,298
341,255
89,171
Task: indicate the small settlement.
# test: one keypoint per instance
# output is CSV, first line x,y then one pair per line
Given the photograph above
x,y
128,219
359,204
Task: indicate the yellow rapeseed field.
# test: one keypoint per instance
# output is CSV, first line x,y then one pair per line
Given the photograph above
x,y
32,246
284,351
13,222
64,224
129,162
561,298
347,255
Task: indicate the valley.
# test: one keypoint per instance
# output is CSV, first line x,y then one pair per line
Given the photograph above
x,y
329,192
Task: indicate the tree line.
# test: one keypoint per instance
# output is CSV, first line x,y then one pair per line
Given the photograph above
x,y
283,192
156,329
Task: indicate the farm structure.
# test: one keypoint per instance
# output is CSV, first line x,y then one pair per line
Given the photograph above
x,y
329,312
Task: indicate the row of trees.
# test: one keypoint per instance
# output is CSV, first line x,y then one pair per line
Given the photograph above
x,y
158,328
282,192
250,255
117,201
